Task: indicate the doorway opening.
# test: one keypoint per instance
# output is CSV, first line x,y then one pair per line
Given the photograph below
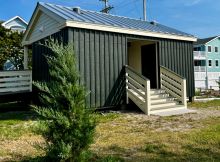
x,y
143,58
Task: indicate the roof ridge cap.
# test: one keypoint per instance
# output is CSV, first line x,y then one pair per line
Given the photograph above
x,y
94,12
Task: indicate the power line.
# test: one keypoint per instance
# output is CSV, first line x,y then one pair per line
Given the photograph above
x,y
107,7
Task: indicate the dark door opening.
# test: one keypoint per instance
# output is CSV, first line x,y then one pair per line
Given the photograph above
x,y
149,63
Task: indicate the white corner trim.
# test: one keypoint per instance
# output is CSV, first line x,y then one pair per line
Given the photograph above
x,y
41,37
3,24
38,10
212,40
126,31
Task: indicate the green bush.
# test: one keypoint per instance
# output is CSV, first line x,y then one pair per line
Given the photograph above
x,y
68,126
198,92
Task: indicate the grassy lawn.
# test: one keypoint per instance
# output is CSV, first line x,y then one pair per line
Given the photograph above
x,y
127,136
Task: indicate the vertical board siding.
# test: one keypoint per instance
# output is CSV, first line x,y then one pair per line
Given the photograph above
x,y
87,73
178,56
106,57
39,66
82,57
92,68
76,45
101,57
102,67
102,71
97,70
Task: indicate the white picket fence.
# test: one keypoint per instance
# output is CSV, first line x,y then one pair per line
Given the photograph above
x,y
15,81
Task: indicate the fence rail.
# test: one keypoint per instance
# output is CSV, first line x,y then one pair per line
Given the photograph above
x,y
15,81
199,54
173,84
199,68
138,89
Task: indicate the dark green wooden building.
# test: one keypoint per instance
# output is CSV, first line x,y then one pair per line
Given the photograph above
x,y
104,44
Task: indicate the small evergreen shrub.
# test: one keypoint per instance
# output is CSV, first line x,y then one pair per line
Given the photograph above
x,y
67,125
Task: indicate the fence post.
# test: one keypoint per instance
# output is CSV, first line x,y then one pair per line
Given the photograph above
x,y
30,81
147,97
206,82
183,90
127,98
25,57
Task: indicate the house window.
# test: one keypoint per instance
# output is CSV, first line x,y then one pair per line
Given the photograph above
x,y
210,63
199,63
216,63
209,48
197,48
216,49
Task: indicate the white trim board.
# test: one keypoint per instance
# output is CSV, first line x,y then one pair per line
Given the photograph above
x,y
127,31
90,26
16,17
212,39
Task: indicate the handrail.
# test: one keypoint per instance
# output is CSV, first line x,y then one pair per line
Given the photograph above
x,y
172,72
130,68
138,89
173,84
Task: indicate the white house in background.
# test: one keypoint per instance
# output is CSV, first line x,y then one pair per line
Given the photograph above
x,y
16,24
207,63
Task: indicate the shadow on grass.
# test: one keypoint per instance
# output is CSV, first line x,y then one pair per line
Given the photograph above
x,y
160,153
18,116
14,106
89,157
202,152
16,111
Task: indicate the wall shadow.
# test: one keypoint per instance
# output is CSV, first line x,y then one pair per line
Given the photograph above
x,y
117,94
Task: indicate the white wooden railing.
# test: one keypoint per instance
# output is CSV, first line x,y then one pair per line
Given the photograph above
x,y
199,54
15,81
199,68
138,89
173,84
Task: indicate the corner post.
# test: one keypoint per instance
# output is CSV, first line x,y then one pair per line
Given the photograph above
x,y
147,97
127,98
25,57
126,80
184,92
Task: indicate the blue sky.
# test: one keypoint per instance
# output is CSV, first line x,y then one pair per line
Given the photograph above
x,y
197,17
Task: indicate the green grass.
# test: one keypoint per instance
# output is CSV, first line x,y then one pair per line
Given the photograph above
x,y
105,117
209,104
121,138
15,124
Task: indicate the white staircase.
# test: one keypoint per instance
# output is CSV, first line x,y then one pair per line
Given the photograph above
x,y
170,98
163,102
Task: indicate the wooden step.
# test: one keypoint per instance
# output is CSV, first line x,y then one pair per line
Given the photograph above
x,y
159,100
157,91
170,112
161,105
167,109
154,96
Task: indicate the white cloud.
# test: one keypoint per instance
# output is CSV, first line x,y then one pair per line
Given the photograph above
x,y
192,2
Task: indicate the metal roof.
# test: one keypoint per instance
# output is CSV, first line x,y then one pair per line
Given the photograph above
x,y
92,17
204,40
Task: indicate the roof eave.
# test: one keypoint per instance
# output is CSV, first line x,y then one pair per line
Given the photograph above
x,y
127,31
212,40
39,8
13,18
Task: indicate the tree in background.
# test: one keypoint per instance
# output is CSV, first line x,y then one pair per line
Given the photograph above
x,y
11,48
68,125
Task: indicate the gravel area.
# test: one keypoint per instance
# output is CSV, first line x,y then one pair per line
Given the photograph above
x,y
172,123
